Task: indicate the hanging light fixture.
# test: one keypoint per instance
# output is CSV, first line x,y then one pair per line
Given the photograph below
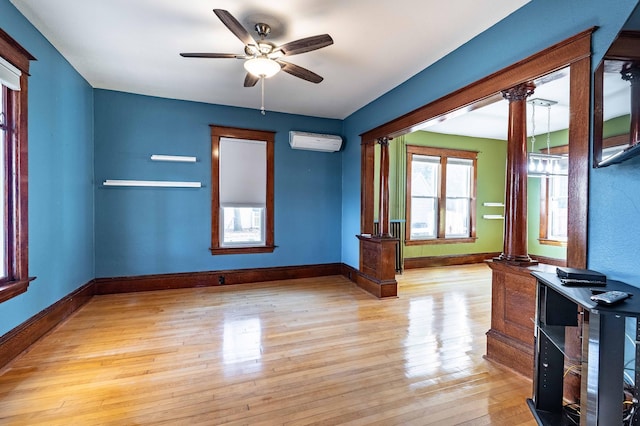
x,y
542,164
262,67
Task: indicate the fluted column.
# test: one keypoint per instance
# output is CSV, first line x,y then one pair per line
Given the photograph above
x,y
515,249
383,212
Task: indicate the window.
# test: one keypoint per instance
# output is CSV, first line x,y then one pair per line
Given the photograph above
x,y
14,267
242,191
440,195
554,200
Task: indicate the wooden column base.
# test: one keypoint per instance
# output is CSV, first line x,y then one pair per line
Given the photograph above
x,y
513,299
378,266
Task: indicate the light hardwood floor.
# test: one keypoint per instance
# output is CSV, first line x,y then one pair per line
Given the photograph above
x,y
310,351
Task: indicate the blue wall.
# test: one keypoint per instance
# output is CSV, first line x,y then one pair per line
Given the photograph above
x,y
141,231
534,27
61,249
160,230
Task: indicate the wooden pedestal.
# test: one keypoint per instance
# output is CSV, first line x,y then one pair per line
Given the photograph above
x,y
378,266
513,299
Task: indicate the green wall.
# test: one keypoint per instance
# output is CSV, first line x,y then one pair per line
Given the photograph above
x,y
492,157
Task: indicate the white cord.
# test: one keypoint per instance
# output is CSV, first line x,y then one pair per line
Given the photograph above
x,y
262,107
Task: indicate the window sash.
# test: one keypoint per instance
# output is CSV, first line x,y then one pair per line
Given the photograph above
x,y
242,225
452,214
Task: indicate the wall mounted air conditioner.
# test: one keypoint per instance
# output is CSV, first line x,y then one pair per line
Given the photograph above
x,y
314,141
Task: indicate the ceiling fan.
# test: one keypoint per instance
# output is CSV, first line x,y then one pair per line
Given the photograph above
x,y
263,59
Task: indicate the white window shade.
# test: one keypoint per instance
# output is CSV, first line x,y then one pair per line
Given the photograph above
x,y
243,172
9,75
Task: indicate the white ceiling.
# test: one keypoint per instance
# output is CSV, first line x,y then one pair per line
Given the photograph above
x,y
134,45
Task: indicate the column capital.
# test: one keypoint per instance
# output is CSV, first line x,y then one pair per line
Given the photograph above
x,y
519,92
631,73
384,140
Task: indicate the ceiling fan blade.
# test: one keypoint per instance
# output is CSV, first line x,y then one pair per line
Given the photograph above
x,y
212,55
235,27
305,45
300,72
250,80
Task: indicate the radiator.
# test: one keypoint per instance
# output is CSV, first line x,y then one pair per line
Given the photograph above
x,y
397,231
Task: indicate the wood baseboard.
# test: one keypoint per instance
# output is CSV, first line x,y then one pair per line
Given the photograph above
x,y
23,336
549,260
380,289
212,278
510,352
461,259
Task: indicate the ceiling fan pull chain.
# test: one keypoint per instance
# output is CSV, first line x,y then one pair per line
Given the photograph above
x,y
262,107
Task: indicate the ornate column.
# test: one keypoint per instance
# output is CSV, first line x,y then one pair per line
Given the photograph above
x,y
513,288
515,249
378,252
383,212
632,75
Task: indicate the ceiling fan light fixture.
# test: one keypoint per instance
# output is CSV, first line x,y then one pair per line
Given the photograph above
x,y
262,67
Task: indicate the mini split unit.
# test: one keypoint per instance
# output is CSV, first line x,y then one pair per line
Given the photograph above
x,y
315,141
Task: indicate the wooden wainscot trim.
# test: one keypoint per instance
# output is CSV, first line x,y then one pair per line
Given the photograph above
x,y
212,278
513,300
459,259
16,341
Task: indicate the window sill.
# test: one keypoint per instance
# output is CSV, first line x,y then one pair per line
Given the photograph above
x,y
241,250
12,289
440,241
557,243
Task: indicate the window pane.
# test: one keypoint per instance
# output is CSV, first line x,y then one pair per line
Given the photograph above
x,y
457,220
459,173
423,218
242,225
424,175
459,177
558,212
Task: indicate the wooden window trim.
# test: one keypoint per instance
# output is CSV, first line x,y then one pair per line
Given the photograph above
x,y
218,132
443,154
544,203
18,278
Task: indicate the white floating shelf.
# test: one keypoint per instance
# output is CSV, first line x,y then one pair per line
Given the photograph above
x,y
493,204
493,216
175,158
153,183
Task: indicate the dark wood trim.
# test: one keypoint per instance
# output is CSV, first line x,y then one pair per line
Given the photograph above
x,y
579,125
382,289
268,136
16,184
436,241
458,259
13,52
117,285
242,250
509,352
548,242
367,174
23,336
550,260
551,59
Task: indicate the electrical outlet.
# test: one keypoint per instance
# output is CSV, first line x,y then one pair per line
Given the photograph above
x,y
221,279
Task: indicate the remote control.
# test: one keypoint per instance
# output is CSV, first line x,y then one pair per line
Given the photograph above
x,y
609,297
